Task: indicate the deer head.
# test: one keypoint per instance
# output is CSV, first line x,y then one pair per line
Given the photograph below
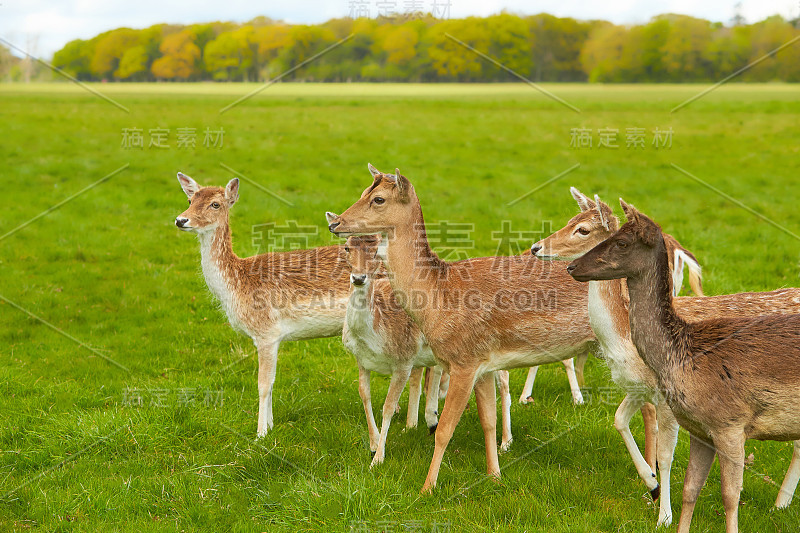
x,y
208,206
381,206
594,224
630,252
362,256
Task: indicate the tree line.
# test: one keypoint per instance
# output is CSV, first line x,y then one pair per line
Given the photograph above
x,y
668,48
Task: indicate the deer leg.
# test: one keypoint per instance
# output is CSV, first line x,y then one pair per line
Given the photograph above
x,y
396,386
701,457
487,413
580,363
432,400
366,399
414,392
527,391
505,408
730,452
667,439
267,366
622,422
461,384
577,397
648,411
444,385
790,481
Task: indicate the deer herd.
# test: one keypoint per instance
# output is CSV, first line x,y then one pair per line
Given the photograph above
x,y
725,368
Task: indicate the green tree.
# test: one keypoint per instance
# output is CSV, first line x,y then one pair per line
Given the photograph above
x,y
683,54
765,37
74,59
602,55
400,45
449,59
232,55
509,36
110,49
133,64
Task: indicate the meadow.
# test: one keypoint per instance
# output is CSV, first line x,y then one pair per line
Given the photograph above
x,y
128,403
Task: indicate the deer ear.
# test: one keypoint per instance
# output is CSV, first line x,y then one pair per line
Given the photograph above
x,y
603,216
648,230
583,201
403,185
330,217
232,191
374,171
188,185
630,212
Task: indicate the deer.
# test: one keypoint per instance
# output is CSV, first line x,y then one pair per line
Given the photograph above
x,y
608,315
726,379
680,259
271,297
478,315
383,339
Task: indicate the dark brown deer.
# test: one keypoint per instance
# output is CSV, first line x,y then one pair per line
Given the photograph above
x,y
725,379
608,315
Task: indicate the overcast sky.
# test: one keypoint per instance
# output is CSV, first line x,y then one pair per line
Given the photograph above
x,y
45,26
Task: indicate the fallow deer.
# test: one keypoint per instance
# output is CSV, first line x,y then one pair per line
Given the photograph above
x,y
271,297
725,379
608,314
383,339
478,315
679,258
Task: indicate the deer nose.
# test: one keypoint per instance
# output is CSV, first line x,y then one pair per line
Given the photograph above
x,y
535,248
181,222
570,269
333,225
358,279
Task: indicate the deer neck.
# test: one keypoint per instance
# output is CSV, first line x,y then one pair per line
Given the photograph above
x,y
359,308
413,268
608,317
218,262
659,334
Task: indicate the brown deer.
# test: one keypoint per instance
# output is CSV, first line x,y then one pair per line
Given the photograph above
x,y
725,379
383,339
271,297
679,258
608,315
478,315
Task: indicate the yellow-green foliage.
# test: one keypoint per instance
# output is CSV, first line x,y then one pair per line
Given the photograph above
x,y
669,48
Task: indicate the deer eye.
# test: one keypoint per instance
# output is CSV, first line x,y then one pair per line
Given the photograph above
x,y
583,231
378,200
215,205
347,249
622,244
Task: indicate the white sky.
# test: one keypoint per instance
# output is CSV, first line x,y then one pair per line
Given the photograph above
x,y
43,26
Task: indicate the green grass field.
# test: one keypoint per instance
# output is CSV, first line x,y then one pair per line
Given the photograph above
x,y
109,269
